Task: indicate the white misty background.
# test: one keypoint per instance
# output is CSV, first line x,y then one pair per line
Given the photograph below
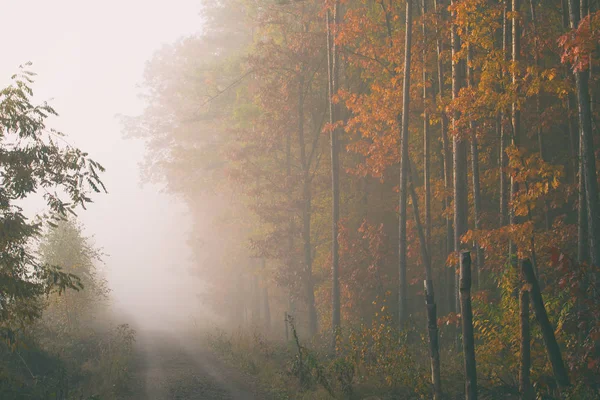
x,y
90,58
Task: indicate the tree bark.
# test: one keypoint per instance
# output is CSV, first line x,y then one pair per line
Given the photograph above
x,y
255,302
538,112
506,31
434,348
265,297
306,214
515,113
447,157
573,142
426,139
525,348
467,327
554,354
583,251
460,155
475,175
588,156
333,61
292,225
434,344
403,306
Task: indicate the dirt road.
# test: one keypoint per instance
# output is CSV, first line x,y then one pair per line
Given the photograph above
x,y
169,367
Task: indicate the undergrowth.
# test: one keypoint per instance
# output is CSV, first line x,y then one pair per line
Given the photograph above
x,y
372,362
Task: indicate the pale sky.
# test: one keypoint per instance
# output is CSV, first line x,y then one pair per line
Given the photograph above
x,y
89,57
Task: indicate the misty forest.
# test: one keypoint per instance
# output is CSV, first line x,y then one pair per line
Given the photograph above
x,y
382,200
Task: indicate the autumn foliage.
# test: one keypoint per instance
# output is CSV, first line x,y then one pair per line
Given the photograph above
x,y
243,134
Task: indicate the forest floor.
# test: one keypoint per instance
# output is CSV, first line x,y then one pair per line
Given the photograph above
x,y
169,366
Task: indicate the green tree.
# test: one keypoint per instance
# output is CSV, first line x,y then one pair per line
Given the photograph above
x,y
65,246
34,159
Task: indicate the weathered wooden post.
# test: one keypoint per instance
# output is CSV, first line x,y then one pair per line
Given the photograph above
x,y
467,326
554,354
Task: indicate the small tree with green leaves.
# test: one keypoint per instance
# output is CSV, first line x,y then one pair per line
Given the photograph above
x,y
34,159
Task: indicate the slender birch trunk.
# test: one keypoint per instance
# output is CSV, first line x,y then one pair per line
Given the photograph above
x,y
403,306
333,61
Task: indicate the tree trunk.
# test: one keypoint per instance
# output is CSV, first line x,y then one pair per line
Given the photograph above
x,y
403,306
538,112
333,59
506,31
426,139
285,322
255,302
447,158
525,348
582,213
306,215
434,344
573,146
467,327
434,348
292,226
265,297
588,156
475,175
460,155
552,348
573,142
515,113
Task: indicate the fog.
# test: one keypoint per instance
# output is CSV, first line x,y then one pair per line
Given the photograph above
x,y
89,57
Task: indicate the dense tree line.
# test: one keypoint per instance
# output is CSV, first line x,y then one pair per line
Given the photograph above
x,y
337,154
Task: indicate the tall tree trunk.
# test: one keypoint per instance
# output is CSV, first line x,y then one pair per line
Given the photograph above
x,y
506,43
434,347
583,251
475,174
525,348
459,145
292,227
403,306
447,157
306,214
576,153
588,156
467,327
255,302
573,142
426,139
265,299
516,112
552,348
538,111
333,61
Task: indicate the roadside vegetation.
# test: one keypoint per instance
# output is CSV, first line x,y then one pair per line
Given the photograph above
x,y
59,338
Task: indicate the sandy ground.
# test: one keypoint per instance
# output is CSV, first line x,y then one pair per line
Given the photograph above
x,y
169,366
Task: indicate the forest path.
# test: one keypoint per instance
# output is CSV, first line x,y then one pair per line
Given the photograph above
x,y
168,366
